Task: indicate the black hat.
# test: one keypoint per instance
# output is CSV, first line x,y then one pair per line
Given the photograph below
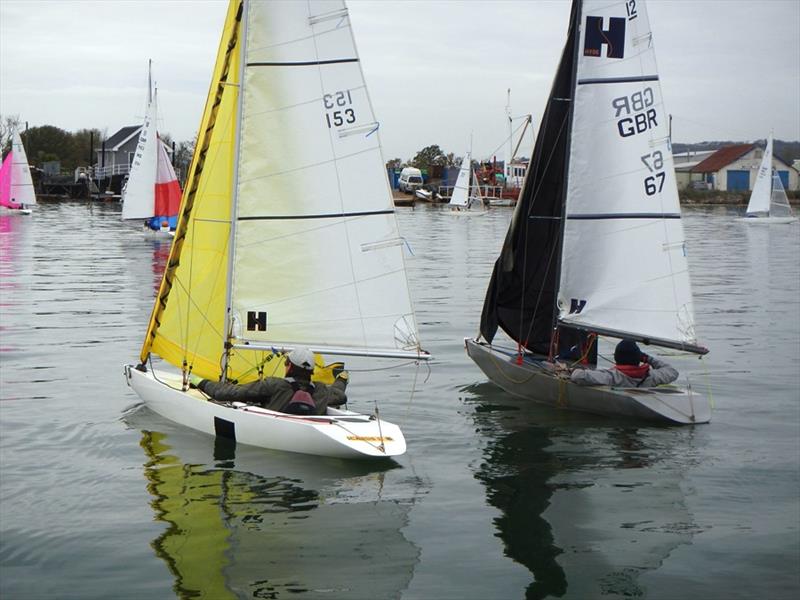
x,y
627,353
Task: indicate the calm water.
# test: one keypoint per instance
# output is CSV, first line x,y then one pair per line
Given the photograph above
x,y
495,499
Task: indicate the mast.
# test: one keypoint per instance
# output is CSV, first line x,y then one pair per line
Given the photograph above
x,y
228,333
578,12
509,152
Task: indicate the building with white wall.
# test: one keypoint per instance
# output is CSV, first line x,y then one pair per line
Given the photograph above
x,y
734,168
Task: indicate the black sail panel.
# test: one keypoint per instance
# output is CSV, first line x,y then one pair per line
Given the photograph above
x,y
524,284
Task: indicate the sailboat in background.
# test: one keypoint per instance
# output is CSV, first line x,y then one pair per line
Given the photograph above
x,y
600,190
768,201
287,237
152,192
466,197
16,185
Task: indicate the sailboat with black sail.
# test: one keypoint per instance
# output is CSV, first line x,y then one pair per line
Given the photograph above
x,y
286,237
596,245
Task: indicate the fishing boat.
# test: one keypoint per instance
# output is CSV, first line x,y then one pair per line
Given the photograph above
x,y
286,237
16,185
595,246
152,192
768,202
466,197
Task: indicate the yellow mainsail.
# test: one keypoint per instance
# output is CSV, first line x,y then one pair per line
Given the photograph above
x,y
187,325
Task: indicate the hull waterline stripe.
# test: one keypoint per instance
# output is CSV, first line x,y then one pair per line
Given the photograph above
x,y
308,63
618,80
323,216
611,216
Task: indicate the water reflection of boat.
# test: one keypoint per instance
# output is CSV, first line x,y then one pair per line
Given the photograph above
x,y
244,522
587,506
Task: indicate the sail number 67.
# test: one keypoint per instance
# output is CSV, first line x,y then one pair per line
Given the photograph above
x,y
654,163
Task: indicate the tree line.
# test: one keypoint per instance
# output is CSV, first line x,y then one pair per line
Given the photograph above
x,y
48,143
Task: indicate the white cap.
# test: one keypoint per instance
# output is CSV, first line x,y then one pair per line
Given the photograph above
x,y
302,357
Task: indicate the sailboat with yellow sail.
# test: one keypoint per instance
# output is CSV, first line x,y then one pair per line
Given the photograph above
x,y
286,237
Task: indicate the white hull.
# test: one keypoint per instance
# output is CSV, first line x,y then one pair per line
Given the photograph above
x,y
340,434
4,210
465,212
159,234
501,202
666,404
768,220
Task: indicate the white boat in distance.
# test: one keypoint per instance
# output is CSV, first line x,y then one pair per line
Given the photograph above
x,y
600,189
768,201
259,266
466,197
152,192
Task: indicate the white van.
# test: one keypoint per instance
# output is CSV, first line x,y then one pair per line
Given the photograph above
x,y
410,180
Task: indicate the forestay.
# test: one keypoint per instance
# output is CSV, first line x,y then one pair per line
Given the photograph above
x,y
624,268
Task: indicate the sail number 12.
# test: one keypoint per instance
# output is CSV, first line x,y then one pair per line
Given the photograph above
x,y
336,113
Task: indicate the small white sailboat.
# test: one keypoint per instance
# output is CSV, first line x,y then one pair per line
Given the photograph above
x,y
16,186
152,193
466,197
768,200
287,236
600,190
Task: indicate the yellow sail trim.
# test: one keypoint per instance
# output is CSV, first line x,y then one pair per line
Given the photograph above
x,y
187,322
187,325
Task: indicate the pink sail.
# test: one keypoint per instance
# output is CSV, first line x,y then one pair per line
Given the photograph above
x,y
5,183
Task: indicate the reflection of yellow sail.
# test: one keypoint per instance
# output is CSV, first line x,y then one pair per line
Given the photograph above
x,y
232,533
196,544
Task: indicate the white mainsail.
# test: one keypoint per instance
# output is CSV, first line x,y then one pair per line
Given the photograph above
x,y
460,195
317,257
762,188
624,269
21,191
138,195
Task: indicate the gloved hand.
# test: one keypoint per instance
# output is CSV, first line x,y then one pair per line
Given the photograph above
x,y
344,376
645,358
194,380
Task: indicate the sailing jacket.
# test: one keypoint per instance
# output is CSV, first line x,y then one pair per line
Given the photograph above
x,y
659,373
275,393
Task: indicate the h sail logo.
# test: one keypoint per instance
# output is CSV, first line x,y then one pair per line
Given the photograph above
x,y
576,306
256,321
596,36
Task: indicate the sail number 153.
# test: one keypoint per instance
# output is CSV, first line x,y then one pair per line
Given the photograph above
x,y
337,112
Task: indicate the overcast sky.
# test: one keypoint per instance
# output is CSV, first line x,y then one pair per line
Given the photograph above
x,y
437,71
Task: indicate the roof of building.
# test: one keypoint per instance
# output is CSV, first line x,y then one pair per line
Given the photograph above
x,y
722,157
121,136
